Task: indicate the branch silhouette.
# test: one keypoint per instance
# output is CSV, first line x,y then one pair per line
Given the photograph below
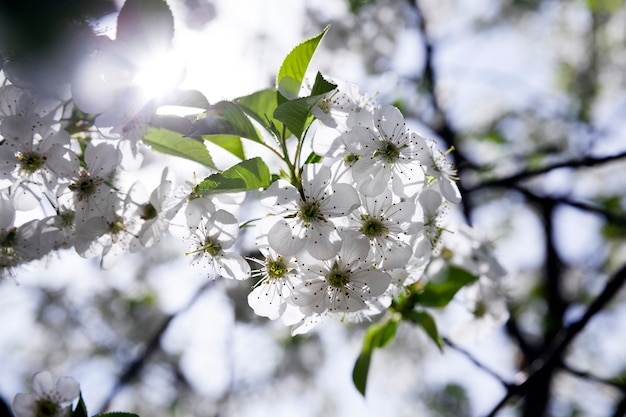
x,y
553,354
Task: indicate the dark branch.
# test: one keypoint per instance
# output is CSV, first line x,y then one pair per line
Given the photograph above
x,y
594,378
620,409
476,362
613,218
440,124
552,355
134,367
514,179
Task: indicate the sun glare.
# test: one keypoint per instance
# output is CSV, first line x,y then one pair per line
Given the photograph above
x,y
159,74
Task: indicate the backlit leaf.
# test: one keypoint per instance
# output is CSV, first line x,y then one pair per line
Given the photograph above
x,y
294,66
173,143
250,174
378,335
225,118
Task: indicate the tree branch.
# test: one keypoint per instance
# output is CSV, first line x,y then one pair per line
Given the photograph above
x,y
476,362
552,355
440,123
586,375
153,344
578,163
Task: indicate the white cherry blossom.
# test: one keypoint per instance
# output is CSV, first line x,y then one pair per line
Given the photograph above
x,y
342,284
440,172
48,398
36,165
211,235
307,217
93,190
384,151
158,211
279,276
387,224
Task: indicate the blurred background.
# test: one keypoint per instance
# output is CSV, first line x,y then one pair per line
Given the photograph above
x,y
531,95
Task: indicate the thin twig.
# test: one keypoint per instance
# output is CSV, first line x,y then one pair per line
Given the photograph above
x,y
594,378
577,163
553,353
476,362
152,346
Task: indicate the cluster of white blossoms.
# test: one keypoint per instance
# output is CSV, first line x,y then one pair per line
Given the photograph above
x,y
364,223
74,182
359,225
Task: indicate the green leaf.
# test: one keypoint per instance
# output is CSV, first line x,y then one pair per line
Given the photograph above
x,y
145,26
377,336
321,85
439,294
81,408
225,118
360,371
427,323
231,143
178,124
250,174
294,66
185,98
313,158
116,414
357,5
261,106
173,143
295,114
604,6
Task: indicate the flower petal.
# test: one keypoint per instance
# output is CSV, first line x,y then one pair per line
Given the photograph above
x,y
67,389
42,384
24,405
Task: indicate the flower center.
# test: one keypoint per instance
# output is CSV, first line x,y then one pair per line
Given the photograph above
x,y
310,212
9,240
30,161
336,277
388,152
148,212
86,186
67,218
212,248
276,268
117,226
351,157
372,227
46,408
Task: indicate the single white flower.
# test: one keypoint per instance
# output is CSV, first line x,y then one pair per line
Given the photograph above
x,y
440,172
434,210
211,235
387,224
278,278
383,151
336,106
307,217
47,399
109,238
93,191
36,164
342,284
158,211
18,244
21,109
485,300
58,231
